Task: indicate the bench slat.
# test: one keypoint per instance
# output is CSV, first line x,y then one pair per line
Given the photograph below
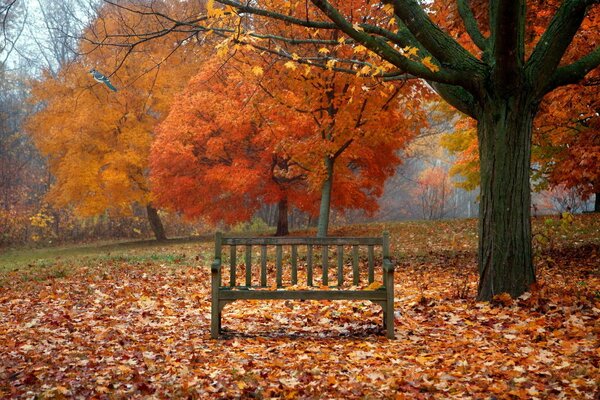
x,y
278,256
371,265
332,241
233,261
325,264
302,294
340,265
263,265
309,265
294,264
355,271
248,265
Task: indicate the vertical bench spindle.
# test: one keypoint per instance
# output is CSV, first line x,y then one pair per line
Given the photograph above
x,y
263,265
248,265
294,264
340,262
309,265
232,259
278,256
371,265
355,271
325,263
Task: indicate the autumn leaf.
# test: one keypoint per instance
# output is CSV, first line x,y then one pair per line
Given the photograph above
x,y
409,51
257,70
290,65
429,64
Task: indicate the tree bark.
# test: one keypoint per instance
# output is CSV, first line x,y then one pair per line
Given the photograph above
x,y
505,256
325,207
155,223
282,218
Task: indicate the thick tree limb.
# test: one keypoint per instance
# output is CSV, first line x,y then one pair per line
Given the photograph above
x,y
385,51
573,73
471,25
459,98
507,23
441,45
554,42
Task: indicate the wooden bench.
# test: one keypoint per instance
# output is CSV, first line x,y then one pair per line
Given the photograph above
x,y
317,287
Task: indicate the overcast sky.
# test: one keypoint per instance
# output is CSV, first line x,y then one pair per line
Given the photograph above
x,y
33,46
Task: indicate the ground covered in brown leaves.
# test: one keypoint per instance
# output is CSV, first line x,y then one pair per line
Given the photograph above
x,y
137,326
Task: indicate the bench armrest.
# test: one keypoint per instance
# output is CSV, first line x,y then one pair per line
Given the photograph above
x,y
216,265
388,265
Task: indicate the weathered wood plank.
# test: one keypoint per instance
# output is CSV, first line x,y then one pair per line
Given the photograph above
x,y
233,263
278,257
385,246
375,295
340,265
294,264
218,239
309,265
355,270
325,264
248,265
263,265
331,241
371,264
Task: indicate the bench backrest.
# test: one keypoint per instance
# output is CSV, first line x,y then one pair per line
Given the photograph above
x,y
296,243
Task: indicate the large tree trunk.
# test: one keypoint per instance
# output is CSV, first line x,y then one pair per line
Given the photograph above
x,y
505,257
155,223
282,218
325,207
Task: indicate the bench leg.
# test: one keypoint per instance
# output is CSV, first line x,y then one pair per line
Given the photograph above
x,y
215,320
388,323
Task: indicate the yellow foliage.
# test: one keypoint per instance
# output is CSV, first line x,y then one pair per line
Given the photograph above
x,y
97,141
291,65
429,64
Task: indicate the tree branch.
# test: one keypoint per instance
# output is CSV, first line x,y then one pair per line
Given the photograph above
x,y
459,98
385,51
441,45
273,15
553,44
573,73
507,23
471,25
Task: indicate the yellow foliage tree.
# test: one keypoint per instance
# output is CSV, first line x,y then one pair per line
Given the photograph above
x,y
97,141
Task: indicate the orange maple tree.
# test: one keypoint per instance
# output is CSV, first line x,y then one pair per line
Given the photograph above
x,y
215,158
359,126
278,134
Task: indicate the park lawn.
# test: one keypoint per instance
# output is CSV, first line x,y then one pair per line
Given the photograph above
x,y
131,320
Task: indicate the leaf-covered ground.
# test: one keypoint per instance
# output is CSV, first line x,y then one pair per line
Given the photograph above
x,y
136,325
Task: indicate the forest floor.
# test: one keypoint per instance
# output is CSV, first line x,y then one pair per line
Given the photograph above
x,y
132,320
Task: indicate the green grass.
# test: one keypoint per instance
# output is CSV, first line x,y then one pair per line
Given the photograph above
x,y
171,251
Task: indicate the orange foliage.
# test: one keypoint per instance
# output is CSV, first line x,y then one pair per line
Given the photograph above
x,y
214,157
242,129
97,142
